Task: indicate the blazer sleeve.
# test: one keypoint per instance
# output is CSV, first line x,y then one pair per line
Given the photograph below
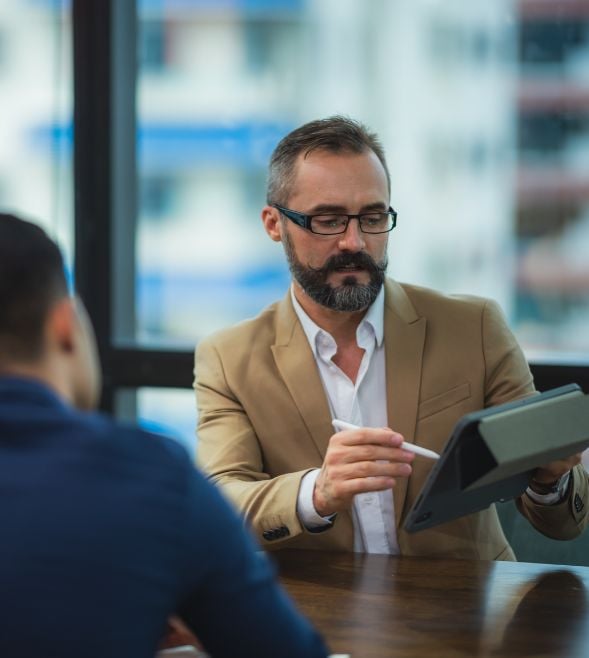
x,y
229,452
565,520
508,377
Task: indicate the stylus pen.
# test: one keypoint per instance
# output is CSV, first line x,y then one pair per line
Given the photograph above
x,y
418,450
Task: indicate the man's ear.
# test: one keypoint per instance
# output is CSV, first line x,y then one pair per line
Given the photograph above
x,y
61,325
272,223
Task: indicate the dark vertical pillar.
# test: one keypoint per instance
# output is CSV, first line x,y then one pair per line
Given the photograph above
x,y
104,54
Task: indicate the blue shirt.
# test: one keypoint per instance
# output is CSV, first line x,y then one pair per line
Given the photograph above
x,y
106,530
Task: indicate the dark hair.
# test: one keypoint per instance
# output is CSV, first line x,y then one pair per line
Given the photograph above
x,y
32,278
333,134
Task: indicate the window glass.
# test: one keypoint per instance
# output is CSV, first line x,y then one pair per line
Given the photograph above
x,y
36,108
483,108
167,411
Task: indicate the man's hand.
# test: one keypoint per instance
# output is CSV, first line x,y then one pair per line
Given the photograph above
x,y
178,635
552,472
358,461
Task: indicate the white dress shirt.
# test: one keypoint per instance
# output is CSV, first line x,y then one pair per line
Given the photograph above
x,y
362,403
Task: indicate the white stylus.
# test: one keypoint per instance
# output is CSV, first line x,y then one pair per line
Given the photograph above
x,y
418,450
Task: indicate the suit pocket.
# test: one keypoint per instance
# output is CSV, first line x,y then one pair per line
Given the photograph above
x,y
442,401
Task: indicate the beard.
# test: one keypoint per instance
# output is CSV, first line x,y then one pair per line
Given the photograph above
x,y
350,295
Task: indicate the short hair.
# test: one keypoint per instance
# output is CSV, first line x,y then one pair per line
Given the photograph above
x,y
32,279
334,134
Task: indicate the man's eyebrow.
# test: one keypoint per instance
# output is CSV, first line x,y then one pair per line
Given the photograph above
x,y
381,206
327,208
334,208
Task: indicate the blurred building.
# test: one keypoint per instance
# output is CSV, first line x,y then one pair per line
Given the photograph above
x,y
35,111
221,82
483,108
553,176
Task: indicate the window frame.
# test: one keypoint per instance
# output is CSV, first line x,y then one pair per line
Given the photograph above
x,y
105,176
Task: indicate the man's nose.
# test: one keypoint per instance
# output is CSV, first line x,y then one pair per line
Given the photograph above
x,y
353,238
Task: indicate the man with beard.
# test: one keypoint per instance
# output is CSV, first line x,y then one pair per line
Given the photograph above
x,y
401,362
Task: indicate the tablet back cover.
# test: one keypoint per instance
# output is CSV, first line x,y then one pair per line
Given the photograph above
x,y
491,454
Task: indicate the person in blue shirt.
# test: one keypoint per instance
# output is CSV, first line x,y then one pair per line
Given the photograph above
x,y
107,530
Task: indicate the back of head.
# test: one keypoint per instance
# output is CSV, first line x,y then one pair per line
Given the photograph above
x,y
32,279
334,134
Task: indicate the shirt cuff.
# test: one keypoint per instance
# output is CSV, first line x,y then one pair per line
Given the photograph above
x,y
554,497
305,509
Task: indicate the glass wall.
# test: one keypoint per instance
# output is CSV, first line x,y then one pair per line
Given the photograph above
x,y
551,291
483,108
167,411
36,109
218,86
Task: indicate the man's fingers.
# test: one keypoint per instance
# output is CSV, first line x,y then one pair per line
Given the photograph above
x,y
370,469
349,488
343,449
369,452
368,435
359,461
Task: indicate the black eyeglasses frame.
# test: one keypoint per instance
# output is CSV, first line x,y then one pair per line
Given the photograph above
x,y
304,221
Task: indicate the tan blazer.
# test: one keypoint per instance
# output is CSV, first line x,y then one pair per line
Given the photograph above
x,y
264,419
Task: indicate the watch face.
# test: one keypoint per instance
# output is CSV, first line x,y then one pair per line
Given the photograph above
x,y
546,488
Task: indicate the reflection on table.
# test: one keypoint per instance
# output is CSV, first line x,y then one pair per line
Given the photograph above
x,y
372,606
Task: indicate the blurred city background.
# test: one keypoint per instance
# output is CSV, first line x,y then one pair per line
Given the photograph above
x,y
483,108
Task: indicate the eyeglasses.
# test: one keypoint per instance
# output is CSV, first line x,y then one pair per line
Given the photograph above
x,y
336,223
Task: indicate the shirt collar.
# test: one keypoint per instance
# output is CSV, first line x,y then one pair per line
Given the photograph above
x,y
373,318
14,388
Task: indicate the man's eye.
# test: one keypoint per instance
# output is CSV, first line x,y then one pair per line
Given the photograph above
x,y
375,219
329,221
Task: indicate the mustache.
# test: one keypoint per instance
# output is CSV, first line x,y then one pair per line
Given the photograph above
x,y
359,259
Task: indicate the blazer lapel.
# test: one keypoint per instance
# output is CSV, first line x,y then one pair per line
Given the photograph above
x,y
294,359
404,335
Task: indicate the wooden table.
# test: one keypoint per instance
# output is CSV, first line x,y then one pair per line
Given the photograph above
x,y
372,606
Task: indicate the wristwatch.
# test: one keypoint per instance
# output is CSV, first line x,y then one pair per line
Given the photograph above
x,y
547,488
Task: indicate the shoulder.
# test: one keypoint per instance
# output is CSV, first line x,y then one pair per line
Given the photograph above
x,y
423,297
116,440
458,319
428,302
245,335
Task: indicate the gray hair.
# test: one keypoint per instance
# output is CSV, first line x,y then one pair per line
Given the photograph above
x,y
334,134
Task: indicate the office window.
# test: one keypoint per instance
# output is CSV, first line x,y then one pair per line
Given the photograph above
x,y
479,105
157,197
551,290
3,54
544,42
485,128
167,411
35,111
484,112
486,141
152,45
207,124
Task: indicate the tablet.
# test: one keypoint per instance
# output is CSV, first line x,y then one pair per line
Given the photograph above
x,y
491,454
